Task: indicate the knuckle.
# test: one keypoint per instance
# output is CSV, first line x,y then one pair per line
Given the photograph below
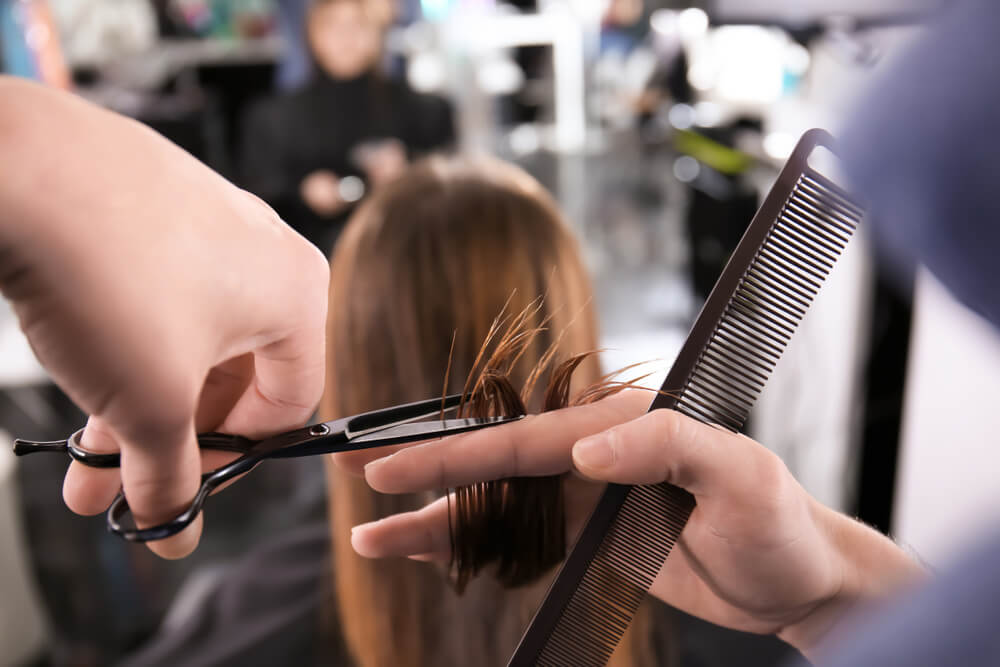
x,y
771,472
668,424
162,412
316,267
98,437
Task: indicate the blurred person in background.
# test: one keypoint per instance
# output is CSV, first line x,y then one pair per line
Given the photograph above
x,y
437,254
313,152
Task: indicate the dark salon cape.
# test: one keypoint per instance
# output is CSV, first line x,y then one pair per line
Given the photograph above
x,y
288,137
266,610
925,152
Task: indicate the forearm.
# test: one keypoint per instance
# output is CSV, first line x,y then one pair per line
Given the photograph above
x,y
873,566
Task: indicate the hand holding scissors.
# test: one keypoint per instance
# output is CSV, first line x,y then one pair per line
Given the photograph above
x,y
389,426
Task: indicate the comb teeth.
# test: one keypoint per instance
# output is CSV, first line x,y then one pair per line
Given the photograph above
x,y
811,230
763,293
627,561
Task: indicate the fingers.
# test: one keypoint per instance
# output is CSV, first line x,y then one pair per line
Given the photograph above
x,y
355,462
423,533
289,354
666,446
286,386
537,445
88,490
223,387
160,477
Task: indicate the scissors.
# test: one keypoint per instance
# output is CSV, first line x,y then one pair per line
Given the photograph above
x,y
378,428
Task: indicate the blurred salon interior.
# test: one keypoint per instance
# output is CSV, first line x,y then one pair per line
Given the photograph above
x,y
656,127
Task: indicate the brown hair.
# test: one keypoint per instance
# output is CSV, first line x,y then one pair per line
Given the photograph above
x,y
418,277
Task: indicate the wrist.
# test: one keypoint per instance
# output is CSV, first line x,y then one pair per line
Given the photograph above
x,y
871,567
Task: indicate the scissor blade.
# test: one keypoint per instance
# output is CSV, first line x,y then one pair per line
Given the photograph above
x,y
427,430
377,420
338,441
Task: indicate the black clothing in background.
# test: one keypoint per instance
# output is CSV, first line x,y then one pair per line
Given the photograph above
x,y
290,136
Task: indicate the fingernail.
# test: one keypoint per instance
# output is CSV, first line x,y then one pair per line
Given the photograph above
x,y
372,465
360,544
594,452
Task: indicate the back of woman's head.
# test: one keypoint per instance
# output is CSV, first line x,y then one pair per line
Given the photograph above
x,y
439,254
419,276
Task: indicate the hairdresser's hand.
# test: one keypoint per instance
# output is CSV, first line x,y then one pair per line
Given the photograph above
x,y
320,190
759,554
160,297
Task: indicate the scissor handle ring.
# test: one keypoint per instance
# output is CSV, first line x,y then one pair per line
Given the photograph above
x,y
90,459
119,509
119,513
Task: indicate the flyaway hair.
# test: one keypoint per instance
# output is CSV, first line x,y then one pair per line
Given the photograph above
x,y
517,525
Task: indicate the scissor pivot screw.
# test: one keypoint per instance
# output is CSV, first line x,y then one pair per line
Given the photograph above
x,y
319,429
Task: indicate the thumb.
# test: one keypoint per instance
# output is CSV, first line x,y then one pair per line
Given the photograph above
x,y
160,477
286,385
666,446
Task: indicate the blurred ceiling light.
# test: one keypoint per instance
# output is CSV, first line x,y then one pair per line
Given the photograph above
x,y
797,58
499,75
701,77
779,145
426,73
351,188
740,64
664,22
590,11
681,116
692,22
524,139
686,169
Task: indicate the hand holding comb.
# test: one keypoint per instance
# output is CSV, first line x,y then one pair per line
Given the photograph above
x,y
763,293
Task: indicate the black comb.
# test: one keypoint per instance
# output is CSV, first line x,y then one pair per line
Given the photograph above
x,y
763,293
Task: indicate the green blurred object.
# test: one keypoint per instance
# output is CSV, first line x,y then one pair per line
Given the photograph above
x,y
711,153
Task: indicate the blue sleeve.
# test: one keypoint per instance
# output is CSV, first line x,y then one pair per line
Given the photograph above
x,y
952,621
924,150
